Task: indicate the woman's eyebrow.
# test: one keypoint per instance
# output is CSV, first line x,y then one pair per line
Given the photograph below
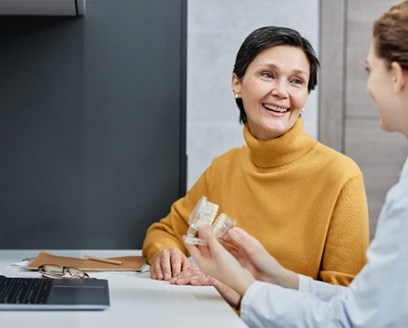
x,y
300,72
295,71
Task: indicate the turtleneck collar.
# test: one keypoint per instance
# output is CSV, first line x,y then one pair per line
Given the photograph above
x,y
285,149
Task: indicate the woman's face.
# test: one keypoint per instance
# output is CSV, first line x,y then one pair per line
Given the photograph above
x,y
274,90
384,88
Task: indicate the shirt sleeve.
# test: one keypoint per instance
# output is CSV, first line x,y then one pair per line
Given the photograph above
x,y
268,305
321,290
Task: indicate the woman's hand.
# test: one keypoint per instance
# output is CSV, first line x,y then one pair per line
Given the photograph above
x,y
252,255
168,263
193,276
214,260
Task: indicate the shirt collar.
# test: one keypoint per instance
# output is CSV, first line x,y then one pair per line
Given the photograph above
x,y
279,151
404,172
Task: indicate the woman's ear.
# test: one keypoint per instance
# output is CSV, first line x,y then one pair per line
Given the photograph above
x,y
399,76
235,84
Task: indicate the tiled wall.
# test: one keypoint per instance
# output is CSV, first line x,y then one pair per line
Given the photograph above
x,y
216,29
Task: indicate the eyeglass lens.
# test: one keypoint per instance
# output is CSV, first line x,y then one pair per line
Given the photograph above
x,y
57,271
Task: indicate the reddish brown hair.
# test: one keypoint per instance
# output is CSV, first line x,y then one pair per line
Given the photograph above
x,y
390,34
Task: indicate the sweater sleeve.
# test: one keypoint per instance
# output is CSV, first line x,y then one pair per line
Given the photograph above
x,y
348,235
168,232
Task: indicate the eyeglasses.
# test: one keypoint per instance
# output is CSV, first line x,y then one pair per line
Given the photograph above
x,y
54,271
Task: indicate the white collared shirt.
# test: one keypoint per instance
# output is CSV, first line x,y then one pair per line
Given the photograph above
x,y
377,297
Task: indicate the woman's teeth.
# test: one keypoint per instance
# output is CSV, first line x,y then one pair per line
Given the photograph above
x,y
276,109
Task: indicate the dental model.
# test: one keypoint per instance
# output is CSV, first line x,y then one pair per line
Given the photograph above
x,y
204,214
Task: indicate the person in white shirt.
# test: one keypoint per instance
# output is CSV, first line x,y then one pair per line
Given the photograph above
x,y
272,296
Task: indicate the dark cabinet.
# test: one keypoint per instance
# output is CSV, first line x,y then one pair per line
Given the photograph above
x,y
92,124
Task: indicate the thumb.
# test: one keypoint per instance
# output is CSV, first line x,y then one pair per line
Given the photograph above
x,y
194,251
206,234
242,239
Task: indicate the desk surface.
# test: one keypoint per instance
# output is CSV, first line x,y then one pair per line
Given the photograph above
x,y
136,300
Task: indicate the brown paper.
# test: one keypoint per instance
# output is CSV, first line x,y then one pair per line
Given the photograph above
x,y
129,263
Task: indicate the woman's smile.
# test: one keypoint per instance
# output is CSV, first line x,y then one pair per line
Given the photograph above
x,y
275,109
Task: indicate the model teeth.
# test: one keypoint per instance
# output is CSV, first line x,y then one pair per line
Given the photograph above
x,y
276,109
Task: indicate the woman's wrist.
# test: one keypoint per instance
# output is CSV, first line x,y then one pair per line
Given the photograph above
x,y
241,285
233,290
282,277
286,278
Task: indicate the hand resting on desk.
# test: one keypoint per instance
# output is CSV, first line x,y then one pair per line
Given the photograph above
x,y
168,263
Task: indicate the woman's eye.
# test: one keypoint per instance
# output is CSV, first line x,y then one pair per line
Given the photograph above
x,y
267,75
297,81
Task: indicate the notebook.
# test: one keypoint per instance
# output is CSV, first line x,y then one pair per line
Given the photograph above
x,y
53,294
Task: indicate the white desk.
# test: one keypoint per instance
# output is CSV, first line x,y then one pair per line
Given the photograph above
x,y
136,301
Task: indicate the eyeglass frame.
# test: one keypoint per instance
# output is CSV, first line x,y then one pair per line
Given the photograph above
x,y
64,271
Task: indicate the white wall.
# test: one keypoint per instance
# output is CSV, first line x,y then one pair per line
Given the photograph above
x,y
216,29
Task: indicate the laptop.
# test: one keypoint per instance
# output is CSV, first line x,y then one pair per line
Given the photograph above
x,y
53,294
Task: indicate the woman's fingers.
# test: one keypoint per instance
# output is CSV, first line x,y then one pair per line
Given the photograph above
x,y
194,251
245,241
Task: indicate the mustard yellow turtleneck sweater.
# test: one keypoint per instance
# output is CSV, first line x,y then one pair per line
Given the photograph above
x,y
303,201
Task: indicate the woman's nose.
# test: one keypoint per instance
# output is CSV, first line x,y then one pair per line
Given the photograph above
x,y
279,89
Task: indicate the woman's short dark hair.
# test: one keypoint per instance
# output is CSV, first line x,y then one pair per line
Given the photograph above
x,y
267,37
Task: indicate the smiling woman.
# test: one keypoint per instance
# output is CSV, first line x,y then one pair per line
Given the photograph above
x,y
303,201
